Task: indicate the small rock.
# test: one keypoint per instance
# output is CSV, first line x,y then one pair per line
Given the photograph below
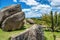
x,y
30,21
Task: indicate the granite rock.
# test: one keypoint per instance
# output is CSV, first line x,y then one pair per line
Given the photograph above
x,y
13,22
10,10
33,33
30,21
13,17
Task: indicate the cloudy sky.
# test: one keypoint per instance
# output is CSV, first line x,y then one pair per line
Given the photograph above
x,y
34,8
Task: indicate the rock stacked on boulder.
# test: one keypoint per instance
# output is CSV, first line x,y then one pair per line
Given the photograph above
x,y
13,17
33,33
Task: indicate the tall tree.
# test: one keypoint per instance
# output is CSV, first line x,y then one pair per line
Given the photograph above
x,y
52,26
56,19
52,22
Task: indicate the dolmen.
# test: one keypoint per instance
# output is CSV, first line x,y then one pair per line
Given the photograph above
x,y
11,17
33,33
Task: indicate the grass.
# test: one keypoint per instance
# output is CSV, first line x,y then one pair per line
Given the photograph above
x,y
49,35
5,35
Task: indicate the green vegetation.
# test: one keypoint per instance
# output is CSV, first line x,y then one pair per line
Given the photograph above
x,y
51,21
44,20
49,35
5,35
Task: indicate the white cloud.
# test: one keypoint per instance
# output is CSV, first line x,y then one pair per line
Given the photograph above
x,y
42,8
26,9
14,0
32,14
37,11
55,2
30,2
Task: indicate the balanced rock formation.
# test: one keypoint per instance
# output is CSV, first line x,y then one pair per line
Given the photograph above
x,y
13,18
33,33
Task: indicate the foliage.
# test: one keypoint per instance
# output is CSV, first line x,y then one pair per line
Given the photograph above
x,y
5,35
46,19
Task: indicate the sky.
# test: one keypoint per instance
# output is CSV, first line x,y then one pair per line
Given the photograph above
x,y
34,8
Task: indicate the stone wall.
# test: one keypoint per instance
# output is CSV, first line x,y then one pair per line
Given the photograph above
x,y
33,33
12,18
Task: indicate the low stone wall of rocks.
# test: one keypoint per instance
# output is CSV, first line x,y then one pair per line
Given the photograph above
x,y
33,33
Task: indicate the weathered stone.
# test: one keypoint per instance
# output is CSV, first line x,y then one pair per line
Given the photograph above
x,y
10,10
33,33
30,21
12,17
1,15
13,22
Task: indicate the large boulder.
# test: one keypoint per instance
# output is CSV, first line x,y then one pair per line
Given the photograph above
x,y
13,22
33,33
12,18
1,15
10,10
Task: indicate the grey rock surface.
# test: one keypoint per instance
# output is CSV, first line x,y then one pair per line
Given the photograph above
x,y
30,21
13,22
12,18
33,33
1,15
10,10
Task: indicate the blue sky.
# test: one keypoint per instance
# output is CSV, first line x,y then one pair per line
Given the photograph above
x,y
34,8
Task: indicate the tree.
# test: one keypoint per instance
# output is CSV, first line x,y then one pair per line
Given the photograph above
x,y
52,26
56,19
52,22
